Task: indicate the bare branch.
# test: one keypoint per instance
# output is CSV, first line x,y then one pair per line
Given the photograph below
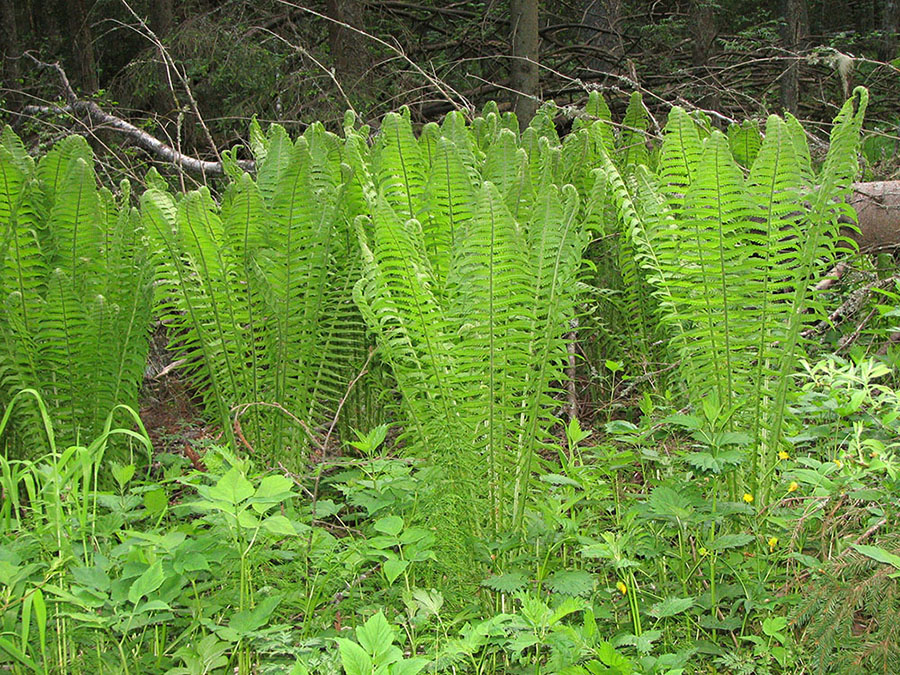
x,y
141,138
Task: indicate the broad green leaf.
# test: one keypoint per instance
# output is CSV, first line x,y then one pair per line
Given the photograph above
x,y
376,636
279,525
354,658
149,581
671,607
389,525
394,568
878,553
232,488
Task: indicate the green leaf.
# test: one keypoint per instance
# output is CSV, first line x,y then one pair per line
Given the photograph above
x,y
251,620
377,637
232,488
279,525
571,582
878,553
394,568
671,607
727,541
506,583
389,525
149,581
354,658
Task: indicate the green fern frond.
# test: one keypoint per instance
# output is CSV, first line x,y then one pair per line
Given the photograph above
x,y
633,138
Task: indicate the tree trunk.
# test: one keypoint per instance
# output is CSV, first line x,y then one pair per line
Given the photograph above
x,y
795,31
9,52
82,45
524,79
348,47
161,24
887,50
703,34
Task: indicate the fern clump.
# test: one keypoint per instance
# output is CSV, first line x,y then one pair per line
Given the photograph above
x,y
471,250
732,258
256,291
76,285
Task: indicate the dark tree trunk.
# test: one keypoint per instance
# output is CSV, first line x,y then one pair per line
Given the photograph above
x,y
703,34
161,21
82,45
524,79
603,32
795,31
887,50
9,53
348,47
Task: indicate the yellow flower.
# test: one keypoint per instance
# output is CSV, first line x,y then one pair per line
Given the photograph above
x,y
748,498
623,589
773,542
794,486
703,551
783,454
839,463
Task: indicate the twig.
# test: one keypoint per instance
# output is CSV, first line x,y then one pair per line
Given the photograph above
x,y
141,138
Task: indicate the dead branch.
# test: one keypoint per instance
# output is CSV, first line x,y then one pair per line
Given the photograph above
x,y
100,117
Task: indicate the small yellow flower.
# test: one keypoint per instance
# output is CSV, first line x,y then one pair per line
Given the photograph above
x,y
703,551
773,542
794,486
623,589
783,454
748,498
839,463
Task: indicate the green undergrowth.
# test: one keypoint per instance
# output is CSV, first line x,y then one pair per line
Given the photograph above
x,y
395,333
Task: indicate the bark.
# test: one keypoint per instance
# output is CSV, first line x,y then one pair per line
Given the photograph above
x,y
161,20
348,46
524,79
10,51
703,33
887,50
795,32
82,45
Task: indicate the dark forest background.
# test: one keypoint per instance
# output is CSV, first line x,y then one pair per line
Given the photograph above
x,y
164,64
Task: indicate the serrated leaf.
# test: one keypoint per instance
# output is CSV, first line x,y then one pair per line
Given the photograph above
x,y
571,582
671,607
506,583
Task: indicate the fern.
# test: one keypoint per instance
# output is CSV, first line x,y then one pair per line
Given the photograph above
x,y
76,285
257,291
475,350
732,259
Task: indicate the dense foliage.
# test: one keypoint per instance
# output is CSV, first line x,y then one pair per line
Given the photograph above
x,y
736,517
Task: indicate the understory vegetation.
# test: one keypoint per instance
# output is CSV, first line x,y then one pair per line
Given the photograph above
x,y
476,400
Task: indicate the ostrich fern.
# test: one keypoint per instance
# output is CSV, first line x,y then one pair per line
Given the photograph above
x,y
257,291
732,258
76,286
471,252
